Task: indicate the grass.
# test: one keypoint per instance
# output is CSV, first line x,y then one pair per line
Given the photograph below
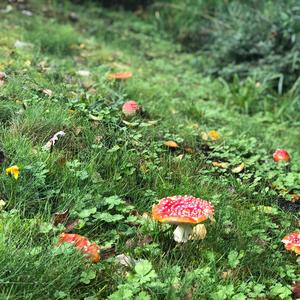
x,y
108,172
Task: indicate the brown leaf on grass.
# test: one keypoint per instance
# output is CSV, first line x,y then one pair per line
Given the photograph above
x,y
222,165
189,150
296,290
199,232
179,157
295,197
226,274
2,76
2,204
49,145
62,161
47,92
88,84
171,144
139,241
238,169
83,73
60,217
70,226
95,118
212,219
126,260
204,136
108,251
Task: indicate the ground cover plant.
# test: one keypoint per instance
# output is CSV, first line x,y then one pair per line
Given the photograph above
x,y
103,113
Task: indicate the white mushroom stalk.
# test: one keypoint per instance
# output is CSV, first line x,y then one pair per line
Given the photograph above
x,y
182,233
185,212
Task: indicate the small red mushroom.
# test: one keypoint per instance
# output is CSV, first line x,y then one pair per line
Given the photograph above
x,y
292,242
92,252
82,244
281,155
120,75
130,108
184,211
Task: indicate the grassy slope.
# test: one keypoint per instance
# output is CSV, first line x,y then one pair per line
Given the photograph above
x,y
107,157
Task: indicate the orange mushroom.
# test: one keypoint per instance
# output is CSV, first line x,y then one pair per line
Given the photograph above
x,y
130,108
92,251
281,155
120,75
292,242
184,211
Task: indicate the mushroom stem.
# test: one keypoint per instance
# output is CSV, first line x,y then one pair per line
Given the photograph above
x,y
182,232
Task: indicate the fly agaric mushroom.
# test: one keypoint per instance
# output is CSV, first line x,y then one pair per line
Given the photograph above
x,y
130,108
120,75
82,244
184,211
292,242
281,155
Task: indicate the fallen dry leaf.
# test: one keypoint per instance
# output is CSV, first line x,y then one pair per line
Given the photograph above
x,y
295,197
139,241
94,118
296,290
189,150
27,63
47,92
83,73
2,204
171,144
180,157
126,261
212,219
60,217
3,76
238,169
70,226
227,274
199,232
49,145
20,44
204,136
62,161
130,124
222,165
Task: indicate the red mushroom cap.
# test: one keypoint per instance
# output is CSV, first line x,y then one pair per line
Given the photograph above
x,y
120,75
67,238
130,108
82,244
281,155
93,252
292,242
182,209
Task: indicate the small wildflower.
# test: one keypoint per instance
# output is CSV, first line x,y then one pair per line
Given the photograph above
x,y
13,171
214,135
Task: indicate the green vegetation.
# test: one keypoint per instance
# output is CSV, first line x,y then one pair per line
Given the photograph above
x,y
109,170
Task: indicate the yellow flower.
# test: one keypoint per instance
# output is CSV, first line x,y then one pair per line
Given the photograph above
x,y
213,135
14,171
